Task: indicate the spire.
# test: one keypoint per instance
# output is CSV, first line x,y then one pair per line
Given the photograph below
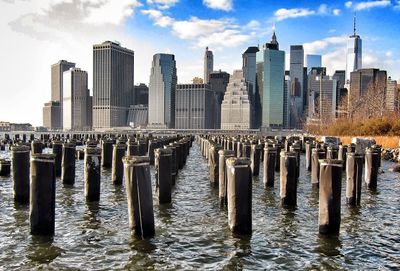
x,y
354,24
274,40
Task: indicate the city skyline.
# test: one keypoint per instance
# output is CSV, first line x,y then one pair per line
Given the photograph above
x,y
186,28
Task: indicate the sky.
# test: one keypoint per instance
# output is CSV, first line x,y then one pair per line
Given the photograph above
x,y
38,33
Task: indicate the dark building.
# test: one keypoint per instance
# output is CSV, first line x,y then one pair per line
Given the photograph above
x,y
218,82
249,68
340,77
141,94
362,79
194,106
51,115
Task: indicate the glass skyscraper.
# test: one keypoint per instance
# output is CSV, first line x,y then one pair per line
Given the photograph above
x,y
313,61
162,87
354,54
271,80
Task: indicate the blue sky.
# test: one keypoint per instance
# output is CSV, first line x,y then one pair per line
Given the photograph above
x,y
40,32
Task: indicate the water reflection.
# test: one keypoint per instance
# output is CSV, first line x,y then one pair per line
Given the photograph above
x,y
329,245
41,249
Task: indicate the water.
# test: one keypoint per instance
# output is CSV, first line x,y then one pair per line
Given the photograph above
x,y
192,232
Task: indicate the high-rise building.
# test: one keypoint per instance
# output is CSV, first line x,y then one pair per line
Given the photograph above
x,y
297,80
363,79
354,53
75,100
194,106
218,82
141,94
392,95
286,102
113,84
138,115
51,115
340,77
313,61
162,87
249,68
235,108
271,82
208,65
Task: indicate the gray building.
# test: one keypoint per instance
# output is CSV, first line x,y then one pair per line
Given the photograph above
x,y
141,94
392,96
218,82
113,83
235,109
297,80
76,103
313,61
249,68
138,115
51,115
286,102
208,65
162,87
194,106
363,79
340,77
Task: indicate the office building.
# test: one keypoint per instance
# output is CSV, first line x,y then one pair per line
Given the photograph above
x,y
313,61
235,108
76,100
208,65
286,101
194,106
392,95
249,68
162,87
138,115
218,82
297,80
271,83
353,54
364,79
141,94
51,115
113,85
340,77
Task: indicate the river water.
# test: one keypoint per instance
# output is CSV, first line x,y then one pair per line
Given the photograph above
x,y
192,232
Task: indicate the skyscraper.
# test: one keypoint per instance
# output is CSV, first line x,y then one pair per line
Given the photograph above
x,y
51,115
162,87
250,75
363,79
208,65
235,108
313,61
354,53
113,83
218,82
76,100
57,70
297,80
141,94
392,95
271,80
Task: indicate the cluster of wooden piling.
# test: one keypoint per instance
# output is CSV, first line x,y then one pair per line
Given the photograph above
x,y
233,161
129,157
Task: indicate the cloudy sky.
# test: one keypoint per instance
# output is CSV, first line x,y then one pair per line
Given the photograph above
x,y
37,33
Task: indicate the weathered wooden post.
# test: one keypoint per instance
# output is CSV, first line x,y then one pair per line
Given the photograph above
x,y
342,152
270,156
20,173
37,146
214,164
5,167
255,159
163,174
106,153
139,195
277,161
223,179
316,155
239,195
57,151
329,196
308,147
92,173
42,194
288,179
371,168
354,169
68,164
117,170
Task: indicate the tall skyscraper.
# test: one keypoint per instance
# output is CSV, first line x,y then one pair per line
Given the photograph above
x,y
141,94
313,61
354,53
297,80
218,82
113,83
340,77
235,108
162,87
271,82
362,79
250,75
208,65
194,106
76,100
392,95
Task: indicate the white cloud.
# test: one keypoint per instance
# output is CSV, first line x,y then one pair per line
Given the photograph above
x,y
348,4
225,5
319,45
158,18
163,4
389,54
397,6
323,9
372,4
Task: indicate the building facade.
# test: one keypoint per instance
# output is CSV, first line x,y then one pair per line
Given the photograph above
x,y
194,106
113,85
249,68
235,108
392,96
363,79
208,65
313,61
76,103
271,82
297,80
354,54
51,115
138,115
141,94
162,87
218,82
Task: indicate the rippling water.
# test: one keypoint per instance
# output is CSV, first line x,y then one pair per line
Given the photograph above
x,y
192,232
